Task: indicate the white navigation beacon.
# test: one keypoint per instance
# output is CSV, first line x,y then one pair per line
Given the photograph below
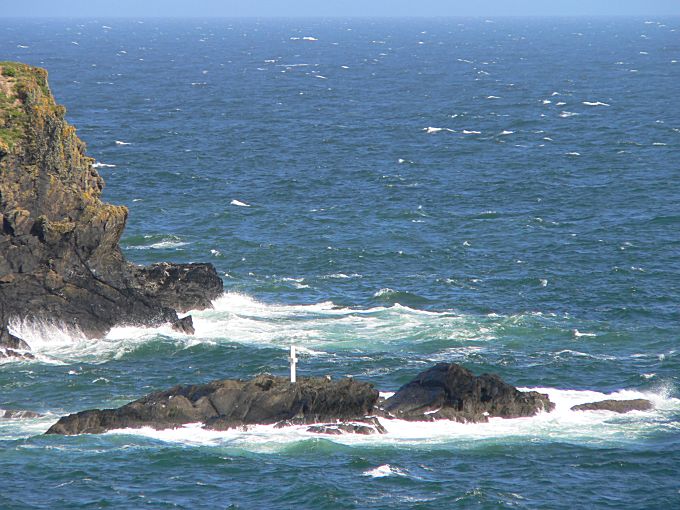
x,y
293,362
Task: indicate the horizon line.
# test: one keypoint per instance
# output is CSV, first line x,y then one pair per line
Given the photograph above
x,y
335,16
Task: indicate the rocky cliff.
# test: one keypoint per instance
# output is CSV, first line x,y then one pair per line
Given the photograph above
x,y
60,260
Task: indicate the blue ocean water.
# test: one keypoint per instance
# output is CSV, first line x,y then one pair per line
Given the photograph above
x,y
384,194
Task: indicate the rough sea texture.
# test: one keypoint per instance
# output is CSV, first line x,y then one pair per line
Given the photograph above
x,y
385,195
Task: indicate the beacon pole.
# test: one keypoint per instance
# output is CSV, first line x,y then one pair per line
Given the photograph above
x,y
293,363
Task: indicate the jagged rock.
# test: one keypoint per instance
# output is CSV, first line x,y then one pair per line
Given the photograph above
x,y
450,392
10,414
184,325
617,406
60,259
225,404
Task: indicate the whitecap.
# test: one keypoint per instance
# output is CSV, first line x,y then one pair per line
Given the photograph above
x,y
309,38
506,132
119,142
384,292
466,132
595,103
165,244
492,97
579,334
573,153
432,130
97,164
384,470
238,203
566,114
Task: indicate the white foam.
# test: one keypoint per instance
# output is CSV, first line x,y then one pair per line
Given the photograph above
x,y
166,244
119,142
506,132
431,130
595,103
579,334
384,292
102,165
471,132
384,470
566,114
238,203
240,318
562,425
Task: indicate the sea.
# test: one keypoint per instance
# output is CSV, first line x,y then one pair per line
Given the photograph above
x,y
384,194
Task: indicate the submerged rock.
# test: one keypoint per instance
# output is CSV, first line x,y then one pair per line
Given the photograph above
x,y
617,406
226,404
18,414
60,259
450,392
365,427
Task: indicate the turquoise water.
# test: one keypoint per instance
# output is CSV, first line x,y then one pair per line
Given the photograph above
x,y
384,195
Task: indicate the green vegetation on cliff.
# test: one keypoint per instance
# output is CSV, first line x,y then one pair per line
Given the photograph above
x,y
22,87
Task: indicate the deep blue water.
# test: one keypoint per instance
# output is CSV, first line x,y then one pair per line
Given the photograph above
x,y
384,194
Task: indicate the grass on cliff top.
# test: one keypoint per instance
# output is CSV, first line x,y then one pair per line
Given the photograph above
x,y
21,85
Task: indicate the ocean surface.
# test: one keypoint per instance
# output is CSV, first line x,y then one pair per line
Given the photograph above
x,y
385,195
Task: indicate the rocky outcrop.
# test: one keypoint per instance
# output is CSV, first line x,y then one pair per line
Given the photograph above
x,y
450,392
225,404
446,391
617,406
60,258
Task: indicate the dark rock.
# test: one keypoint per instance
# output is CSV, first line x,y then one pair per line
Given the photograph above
x,y
60,259
10,414
366,427
227,404
184,325
451,392
617,406
6,352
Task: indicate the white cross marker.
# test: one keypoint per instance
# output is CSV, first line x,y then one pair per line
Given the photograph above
x,y
293,361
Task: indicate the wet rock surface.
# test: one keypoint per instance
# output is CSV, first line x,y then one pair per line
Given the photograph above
x,y
617,406
60,259
444,392
450,392
226,404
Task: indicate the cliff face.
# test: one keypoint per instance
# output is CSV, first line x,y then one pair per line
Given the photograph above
x,y
59,255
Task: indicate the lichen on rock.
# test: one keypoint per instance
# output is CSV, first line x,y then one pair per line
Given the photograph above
x,y
60,258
